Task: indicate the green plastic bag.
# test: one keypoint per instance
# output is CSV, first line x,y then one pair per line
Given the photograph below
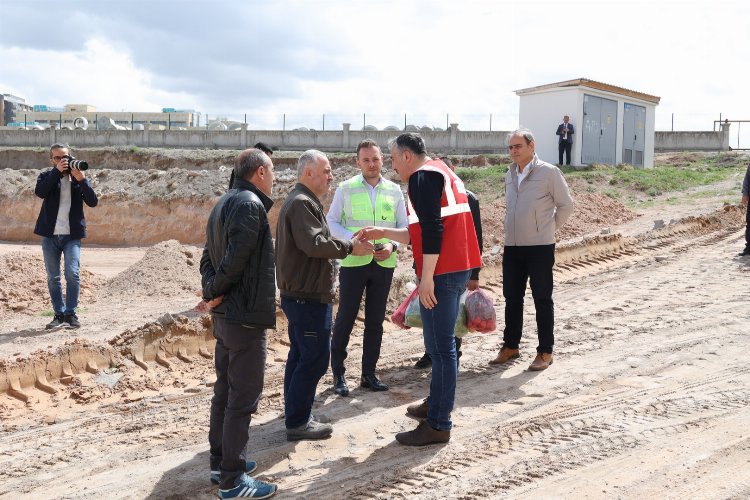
x,y
414,316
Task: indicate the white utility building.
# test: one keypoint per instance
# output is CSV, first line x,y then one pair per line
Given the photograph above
x,y
612,124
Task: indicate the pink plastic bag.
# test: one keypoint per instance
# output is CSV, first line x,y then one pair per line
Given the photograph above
x,y
399,315
480,312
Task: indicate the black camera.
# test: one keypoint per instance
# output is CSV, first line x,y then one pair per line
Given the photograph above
x,y
77,164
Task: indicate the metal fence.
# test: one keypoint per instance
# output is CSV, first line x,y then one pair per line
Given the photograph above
x,y
368,121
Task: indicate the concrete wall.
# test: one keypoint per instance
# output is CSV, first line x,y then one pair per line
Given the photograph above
x,y
453,140
692,141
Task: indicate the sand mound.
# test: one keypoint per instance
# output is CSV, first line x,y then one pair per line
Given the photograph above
x,y
23,284
167,269
591,213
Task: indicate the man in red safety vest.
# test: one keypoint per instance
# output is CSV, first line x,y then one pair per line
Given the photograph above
x,y
445,248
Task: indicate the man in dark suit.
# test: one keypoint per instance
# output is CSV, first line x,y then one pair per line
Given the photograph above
x,y
565,131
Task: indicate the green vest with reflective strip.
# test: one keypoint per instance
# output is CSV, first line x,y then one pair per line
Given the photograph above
x,y
357,212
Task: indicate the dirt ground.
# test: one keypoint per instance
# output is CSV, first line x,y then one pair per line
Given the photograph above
x,y
648,395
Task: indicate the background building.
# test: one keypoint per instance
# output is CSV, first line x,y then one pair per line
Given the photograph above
x,y
169,118
612,124
12,109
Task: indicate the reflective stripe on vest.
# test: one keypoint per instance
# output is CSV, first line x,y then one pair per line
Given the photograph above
x,y
357,212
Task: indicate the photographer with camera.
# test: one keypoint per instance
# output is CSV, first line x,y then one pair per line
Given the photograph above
x,y
61,225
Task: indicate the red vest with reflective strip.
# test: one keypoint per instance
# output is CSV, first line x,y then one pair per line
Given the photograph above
x,y
459,250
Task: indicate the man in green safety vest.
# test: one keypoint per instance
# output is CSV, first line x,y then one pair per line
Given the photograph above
x,y
367,199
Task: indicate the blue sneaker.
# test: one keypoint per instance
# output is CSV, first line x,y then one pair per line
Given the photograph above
x,y
250,467
247,487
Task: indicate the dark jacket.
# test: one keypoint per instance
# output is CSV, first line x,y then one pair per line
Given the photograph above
x,y
48,188
476,216
571,131
238,260
305,247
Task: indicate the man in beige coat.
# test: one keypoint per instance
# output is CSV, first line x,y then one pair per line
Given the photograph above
x,y
537,203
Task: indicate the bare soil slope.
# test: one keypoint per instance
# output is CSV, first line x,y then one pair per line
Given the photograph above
x,y
648,395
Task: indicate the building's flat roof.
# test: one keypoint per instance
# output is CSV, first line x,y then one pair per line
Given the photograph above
x,y
585,82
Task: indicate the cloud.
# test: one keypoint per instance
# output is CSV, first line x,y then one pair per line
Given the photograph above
x,y
344,58
99,73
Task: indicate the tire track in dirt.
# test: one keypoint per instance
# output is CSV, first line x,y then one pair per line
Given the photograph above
x,y
575,436
510,449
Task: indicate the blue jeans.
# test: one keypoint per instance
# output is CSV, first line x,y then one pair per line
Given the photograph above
x,y
439,341
53,248
309,352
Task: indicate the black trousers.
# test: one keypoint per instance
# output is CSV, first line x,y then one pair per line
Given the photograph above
x,y
374,281
521,264
564,146
240,358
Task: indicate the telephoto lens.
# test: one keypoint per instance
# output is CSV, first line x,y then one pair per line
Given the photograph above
x,y
77,164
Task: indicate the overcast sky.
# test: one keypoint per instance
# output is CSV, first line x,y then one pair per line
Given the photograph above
x,y
382,59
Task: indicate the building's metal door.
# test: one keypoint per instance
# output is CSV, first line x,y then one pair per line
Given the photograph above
x,y
599,137
633,134
591,129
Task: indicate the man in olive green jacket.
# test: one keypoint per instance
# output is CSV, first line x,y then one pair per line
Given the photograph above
x,y
537,202
305,276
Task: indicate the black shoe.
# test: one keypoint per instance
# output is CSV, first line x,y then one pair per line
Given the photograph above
x,y
72,321
372,382
424,362
58,321
744,253
339,385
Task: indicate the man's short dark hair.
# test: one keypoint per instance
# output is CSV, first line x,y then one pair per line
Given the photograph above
x,y
367,143
248,162
264,147
411,141
58,146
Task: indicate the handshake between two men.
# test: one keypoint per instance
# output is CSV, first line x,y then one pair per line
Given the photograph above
x,y
362,244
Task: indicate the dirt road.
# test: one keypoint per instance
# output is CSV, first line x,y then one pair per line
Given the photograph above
x,y
649,394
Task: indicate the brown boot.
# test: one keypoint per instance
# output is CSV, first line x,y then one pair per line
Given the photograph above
x,y
418,410
505,354
541,362
424,434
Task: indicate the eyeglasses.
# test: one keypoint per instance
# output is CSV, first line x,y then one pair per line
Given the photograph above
x,y
511,147
58,158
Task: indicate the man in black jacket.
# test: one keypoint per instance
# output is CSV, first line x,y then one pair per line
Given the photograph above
x,y
61,225
238,278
